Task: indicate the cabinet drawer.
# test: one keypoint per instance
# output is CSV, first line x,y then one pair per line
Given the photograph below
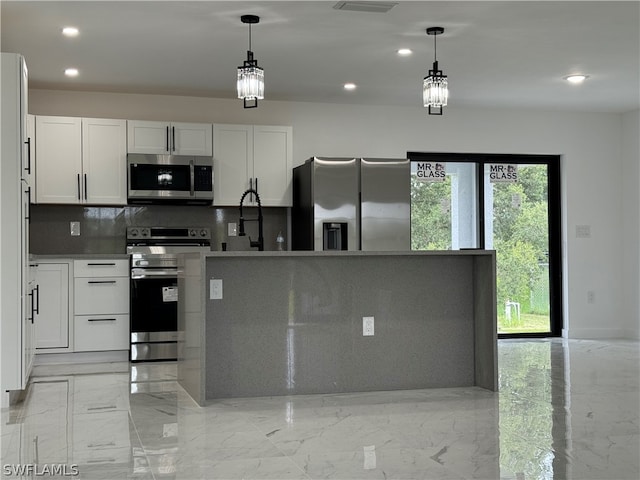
x,y
101,332
102,295
101,268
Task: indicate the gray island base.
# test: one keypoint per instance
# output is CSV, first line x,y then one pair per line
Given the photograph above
x,y
284,323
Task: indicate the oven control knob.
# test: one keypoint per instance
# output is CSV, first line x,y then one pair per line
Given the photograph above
x,y
192,233
145,232
133,232
203,233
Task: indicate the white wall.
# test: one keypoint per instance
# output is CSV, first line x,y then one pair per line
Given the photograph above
x,y
590,145
631,222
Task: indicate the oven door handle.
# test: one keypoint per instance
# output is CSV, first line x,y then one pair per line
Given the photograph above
x,y
139,273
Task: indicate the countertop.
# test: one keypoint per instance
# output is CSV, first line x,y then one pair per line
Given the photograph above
x,y
357,253
80,256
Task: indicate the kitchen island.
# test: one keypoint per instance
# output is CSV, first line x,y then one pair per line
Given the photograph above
x,y
282,323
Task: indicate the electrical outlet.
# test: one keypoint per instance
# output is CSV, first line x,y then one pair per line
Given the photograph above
x,y
232,229
367,326
215,289
74,228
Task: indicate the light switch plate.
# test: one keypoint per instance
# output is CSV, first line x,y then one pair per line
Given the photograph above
x,y
215,289
74,228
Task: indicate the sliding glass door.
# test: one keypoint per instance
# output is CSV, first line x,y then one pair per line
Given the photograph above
x,y
506,203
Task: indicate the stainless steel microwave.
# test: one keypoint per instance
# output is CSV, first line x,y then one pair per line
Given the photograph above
x,y
169,179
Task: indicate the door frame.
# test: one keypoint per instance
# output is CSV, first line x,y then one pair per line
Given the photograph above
x,y
556,320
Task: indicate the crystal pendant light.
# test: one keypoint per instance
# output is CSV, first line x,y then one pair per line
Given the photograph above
x,y
435,89
250,75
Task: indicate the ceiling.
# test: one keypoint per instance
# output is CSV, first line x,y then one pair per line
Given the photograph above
x,y
496,54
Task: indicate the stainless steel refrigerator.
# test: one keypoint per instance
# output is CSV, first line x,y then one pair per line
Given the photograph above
x,y
351,204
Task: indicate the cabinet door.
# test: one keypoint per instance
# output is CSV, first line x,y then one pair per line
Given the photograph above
x,y
272,163
29,329
104,161
232,156
191,139
147,137
59,159
52,302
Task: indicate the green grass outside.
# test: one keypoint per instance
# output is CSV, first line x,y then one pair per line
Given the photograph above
x,y
529,323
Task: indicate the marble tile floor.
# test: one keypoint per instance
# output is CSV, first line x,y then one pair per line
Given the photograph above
x,y
565,410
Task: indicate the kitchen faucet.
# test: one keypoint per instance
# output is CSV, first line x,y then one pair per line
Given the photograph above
x,y
252,243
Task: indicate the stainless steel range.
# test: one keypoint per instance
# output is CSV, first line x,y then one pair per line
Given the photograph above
x,y
154,286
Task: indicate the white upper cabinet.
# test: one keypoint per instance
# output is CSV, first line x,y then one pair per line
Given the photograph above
x,y
59,159
104,161
81,161
252,156
272,164
169,138
232,156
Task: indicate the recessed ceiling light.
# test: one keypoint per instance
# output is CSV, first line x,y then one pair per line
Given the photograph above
x,y
349,86
576,78
70,31
71,72
403,52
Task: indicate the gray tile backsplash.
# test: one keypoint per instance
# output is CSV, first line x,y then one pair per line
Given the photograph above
x,y
102,229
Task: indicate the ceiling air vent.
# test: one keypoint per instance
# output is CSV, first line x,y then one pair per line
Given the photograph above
x,y
375,7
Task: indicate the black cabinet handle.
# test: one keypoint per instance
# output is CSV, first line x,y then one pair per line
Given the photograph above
x,y
101,281
101,264
37,309
102,320
28,142
79,197
168,138
173,138
28,215
85,186
33,310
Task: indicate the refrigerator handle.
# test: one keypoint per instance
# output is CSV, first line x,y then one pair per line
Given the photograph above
x,y
359,220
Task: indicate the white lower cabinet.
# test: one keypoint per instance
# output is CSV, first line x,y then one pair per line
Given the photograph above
x,y
101,305
81,305
51,311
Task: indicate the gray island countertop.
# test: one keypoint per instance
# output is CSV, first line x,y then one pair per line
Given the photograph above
x,y
281,323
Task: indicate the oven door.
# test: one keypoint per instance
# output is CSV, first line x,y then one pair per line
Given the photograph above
x,y
154,314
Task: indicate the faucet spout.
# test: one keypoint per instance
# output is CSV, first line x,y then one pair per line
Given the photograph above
x,y
260,243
